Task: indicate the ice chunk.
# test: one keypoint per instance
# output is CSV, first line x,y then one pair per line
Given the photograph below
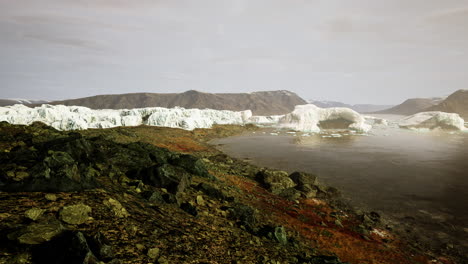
x,y
432,120
308,117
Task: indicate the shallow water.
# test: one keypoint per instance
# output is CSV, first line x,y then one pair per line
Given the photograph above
x,y
405,175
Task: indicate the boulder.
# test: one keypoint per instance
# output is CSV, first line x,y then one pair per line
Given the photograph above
x,y
173,179
71,247
244,214
34,213
274,181
290,194
75,214
38,233
302,178
117,208
192,165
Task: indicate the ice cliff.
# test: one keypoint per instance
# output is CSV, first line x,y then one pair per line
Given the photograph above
x,y
77,117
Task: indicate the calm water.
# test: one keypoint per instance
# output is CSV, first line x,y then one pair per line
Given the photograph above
x,y
407,176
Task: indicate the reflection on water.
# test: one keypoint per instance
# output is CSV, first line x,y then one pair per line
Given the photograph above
x,y
397,172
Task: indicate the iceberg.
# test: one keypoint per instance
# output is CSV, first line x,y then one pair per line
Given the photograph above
x,y
433,120
310,118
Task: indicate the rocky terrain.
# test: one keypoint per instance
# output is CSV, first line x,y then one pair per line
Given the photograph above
x,y
411,106
261,103
455,103
162,195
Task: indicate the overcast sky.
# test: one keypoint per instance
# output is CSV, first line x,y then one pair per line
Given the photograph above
x,y
354,51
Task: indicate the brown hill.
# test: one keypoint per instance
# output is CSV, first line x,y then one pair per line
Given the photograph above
x,y
455,103
261,103
411,106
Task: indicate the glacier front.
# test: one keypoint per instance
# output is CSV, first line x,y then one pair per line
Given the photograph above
x,y
76,117
307,118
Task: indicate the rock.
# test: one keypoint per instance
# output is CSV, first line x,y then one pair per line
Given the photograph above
x,y
338,223
167,176
154,197
192,165
23,258
101,247
213,192
51,197
116,207
274,181
302,178
75,214
280,235
163,260
200,200
187,207
38,233
244,214
72,247
153,253
34,213
290,194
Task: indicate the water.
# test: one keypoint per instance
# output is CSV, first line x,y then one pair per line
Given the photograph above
x,y
413,177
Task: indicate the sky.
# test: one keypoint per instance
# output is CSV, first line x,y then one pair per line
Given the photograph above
x,y
353,51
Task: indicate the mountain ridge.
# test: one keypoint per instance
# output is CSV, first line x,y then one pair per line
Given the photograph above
x,y
454,103
411,106
261,103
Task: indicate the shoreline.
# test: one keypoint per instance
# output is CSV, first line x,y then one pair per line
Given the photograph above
x,y
315,225
409,229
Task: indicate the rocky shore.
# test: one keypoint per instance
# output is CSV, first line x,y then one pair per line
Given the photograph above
x,y
160,195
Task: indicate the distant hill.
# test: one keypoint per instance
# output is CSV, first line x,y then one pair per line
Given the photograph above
x,y
361,108
455,103
6,102
411,106
261,103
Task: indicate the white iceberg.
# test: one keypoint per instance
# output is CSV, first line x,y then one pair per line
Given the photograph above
x,y
432,120
376,121
310,118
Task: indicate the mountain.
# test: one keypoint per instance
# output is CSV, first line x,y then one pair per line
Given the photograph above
x,y
455,103
6,102
261,103
412,106
360,108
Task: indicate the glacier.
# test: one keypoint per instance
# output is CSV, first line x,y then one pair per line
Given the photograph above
x,y
433,120
76,117
306,118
